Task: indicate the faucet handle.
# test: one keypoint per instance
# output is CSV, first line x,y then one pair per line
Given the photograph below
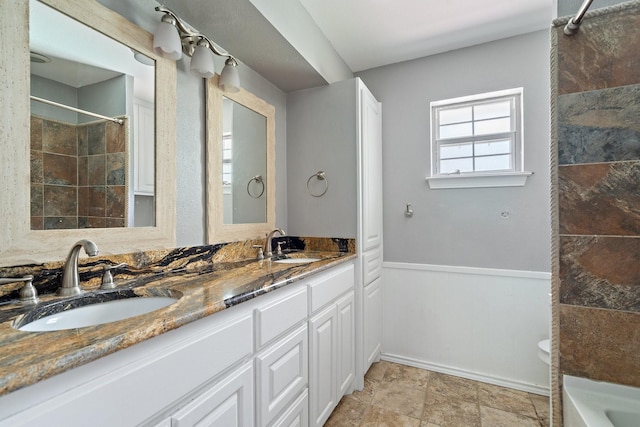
x,y
28,293
279,249
260,252
107,277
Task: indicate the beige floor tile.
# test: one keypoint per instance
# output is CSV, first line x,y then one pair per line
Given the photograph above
x,y
506,399
496,418
541,405
380,417
412,377
448,386
450,412
377,370
400,398
367,393
395,396
348,413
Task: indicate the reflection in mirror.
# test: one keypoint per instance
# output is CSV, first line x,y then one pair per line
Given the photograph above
x,y
92,127
240,165
244,164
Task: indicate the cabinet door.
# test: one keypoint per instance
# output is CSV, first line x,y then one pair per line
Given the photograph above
x,y
372,322
228,403
371,154
322,362
346,344
282,373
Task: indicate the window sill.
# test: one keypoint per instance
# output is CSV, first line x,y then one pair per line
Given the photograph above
x,y
510,179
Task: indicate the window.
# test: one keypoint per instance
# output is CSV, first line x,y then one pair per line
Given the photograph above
x,y
478,135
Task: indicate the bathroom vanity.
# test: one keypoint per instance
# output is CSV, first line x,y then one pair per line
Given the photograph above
x,y
263,344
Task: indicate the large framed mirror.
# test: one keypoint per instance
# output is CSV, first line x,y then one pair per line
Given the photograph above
x,y
240,165
87,133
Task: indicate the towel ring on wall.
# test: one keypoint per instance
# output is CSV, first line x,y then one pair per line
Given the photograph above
x,y
320,176
258,179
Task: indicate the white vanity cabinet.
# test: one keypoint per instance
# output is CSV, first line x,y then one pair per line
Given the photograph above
x,y
331,343
283,359
338,129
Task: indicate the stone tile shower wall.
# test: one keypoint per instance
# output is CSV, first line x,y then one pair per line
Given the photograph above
x,y
78,175
598,189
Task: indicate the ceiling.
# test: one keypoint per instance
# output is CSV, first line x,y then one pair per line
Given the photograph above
x,y
364,33
79,56
372,33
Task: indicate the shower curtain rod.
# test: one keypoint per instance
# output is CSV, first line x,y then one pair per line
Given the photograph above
x,y
77,110
574,23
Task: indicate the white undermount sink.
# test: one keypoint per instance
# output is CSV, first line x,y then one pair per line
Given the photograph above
x,y
98,313
296,260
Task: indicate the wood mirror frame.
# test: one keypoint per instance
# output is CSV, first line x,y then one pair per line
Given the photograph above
x,y
18,243
217,230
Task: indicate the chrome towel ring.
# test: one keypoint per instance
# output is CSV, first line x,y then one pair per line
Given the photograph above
x,y
320,176
258,179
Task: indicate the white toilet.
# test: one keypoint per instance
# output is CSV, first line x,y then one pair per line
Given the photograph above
x,y
543,351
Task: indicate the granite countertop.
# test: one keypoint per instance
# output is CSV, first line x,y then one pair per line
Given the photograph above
x,y
29,357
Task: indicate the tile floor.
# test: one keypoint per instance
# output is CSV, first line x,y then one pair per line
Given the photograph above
x,y
402,396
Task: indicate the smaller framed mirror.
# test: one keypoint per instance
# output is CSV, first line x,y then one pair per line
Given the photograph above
x,y
240,165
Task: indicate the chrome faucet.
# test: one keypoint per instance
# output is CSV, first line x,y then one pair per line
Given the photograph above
x,y
70,276
267,244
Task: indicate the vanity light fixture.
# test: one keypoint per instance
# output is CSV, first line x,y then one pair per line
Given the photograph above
x,y
172,37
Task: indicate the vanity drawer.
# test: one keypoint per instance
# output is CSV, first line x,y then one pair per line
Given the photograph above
x,y
371,265
328,286
282,313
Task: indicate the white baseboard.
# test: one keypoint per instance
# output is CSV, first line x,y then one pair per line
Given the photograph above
x,y
478,271
517,385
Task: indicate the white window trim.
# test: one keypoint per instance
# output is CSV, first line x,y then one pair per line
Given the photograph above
x,y
512,178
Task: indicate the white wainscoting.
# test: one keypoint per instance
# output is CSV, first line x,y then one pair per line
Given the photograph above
x,y
477,323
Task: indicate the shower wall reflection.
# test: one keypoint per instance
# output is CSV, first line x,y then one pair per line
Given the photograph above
x,y
78,174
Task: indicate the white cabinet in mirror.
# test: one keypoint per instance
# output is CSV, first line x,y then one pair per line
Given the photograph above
x,y
68,171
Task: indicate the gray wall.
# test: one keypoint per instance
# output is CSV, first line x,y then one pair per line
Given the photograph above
x,y
54,91
108,98
322,135
570,7
464,226
86,98
191,141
